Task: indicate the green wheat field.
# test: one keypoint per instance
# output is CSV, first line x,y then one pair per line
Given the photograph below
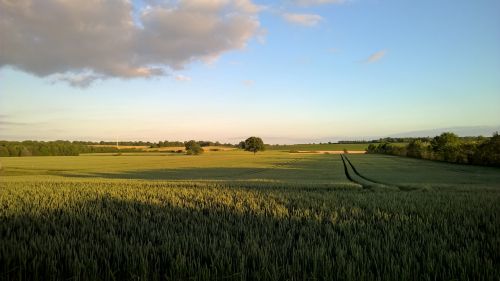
x,y
232,215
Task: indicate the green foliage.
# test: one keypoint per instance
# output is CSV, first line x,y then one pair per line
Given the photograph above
x,y
50,148
193,148
387,148
4,151
488,152
254,144
241,145
416,149
448,147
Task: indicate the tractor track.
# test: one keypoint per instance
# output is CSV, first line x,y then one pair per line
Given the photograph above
x,y
370,183
348,176
359,174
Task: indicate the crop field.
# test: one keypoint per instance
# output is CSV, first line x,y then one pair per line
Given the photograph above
x,y
320,147
409,173
232,215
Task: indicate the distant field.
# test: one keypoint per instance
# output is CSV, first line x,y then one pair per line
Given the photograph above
x,y
232,215
225,166
140,147
321,147
417,173
205,148
168,148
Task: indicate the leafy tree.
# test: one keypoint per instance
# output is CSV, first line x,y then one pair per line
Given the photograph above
x,y
4,152
241,145
488,152
254,144
193,148
447,146
25,152
416,148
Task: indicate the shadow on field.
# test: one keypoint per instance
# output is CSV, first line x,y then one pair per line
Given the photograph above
x,y
186,173
284,172
107,238
111,239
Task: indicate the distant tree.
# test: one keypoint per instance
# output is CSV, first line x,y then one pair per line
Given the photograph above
x,y
488,152
241,145
4,152
193,148
416,148
447,147
25,152
372,148
254,144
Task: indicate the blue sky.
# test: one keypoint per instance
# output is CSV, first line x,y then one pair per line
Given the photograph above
x,y
289,71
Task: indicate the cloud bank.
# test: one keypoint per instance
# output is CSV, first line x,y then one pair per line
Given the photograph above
x,y
81,41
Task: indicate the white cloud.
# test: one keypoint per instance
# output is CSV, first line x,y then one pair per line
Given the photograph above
x,y
248,83
317,2
81,41
303,19
182,78
376,56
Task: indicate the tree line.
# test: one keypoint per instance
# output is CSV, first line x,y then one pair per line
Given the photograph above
x,y
74,148
164,143
51,148
447,147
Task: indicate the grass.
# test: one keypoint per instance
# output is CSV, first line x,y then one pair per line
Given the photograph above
x,y
235,216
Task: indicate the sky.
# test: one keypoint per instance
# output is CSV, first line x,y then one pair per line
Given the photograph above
x,y
290,71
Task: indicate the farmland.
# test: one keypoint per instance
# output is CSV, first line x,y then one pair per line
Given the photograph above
x,y
230,215
320,147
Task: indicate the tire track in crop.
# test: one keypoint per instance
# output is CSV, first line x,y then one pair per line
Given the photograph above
x,y
369,180
348,176
359,174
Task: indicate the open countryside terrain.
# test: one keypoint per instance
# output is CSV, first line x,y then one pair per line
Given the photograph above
x,y
320,147
233,215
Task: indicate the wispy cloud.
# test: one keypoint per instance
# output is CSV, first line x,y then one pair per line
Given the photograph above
x,y
248,83
4,123
78,80
376,56
317,2
303,19
182,78
84,41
